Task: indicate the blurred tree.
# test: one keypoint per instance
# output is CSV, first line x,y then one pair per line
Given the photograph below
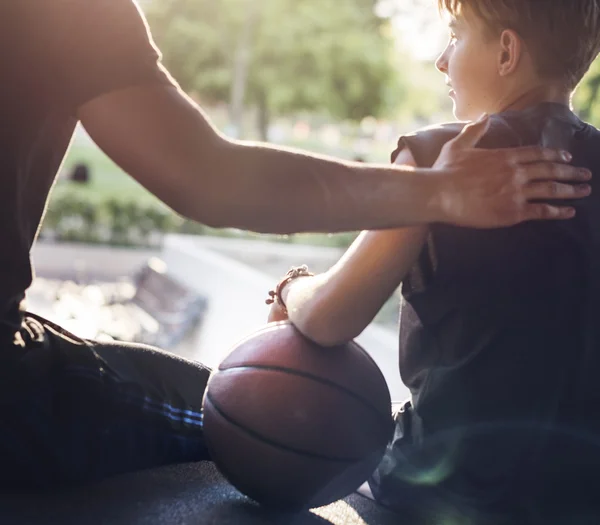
x,y
280,56
587,97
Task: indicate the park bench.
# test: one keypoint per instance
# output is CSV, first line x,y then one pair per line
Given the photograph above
x,y
163,310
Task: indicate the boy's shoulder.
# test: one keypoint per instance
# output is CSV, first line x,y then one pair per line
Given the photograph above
x,y
425,144
548,125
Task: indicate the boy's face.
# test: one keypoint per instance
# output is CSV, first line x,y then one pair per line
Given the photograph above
x,y
470,63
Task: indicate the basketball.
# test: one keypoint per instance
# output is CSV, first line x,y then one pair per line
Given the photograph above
x,y
294,425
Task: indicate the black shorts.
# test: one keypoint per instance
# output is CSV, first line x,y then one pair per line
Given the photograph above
x,y
416,479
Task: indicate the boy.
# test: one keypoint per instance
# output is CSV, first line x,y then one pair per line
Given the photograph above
x,y
499,328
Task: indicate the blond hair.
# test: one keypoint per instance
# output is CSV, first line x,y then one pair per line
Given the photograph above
x,y
562,35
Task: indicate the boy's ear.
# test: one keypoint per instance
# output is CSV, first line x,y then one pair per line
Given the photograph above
x,y
511,50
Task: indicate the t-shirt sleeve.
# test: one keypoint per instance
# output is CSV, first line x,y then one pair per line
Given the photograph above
x,y
93,47
426,144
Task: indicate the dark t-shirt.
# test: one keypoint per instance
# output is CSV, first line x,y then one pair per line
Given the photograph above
x,y
497,325
57,55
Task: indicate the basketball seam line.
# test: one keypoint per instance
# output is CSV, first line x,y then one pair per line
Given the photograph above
x,y
275,444
307,375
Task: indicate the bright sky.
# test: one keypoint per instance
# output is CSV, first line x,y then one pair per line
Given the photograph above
x,y
419,27
424,43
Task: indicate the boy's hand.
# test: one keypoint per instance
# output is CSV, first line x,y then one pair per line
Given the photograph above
x,y
276,313
494,188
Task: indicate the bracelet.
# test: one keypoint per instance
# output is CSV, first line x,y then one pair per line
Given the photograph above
x,y
293,273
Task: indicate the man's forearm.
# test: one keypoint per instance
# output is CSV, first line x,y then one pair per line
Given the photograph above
x,y
283,191
162,140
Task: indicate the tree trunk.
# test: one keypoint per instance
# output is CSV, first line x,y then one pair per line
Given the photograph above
x,y
263,116
241,68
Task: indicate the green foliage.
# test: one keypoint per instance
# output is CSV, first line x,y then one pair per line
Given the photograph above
x,y
587,97
322,55
74,216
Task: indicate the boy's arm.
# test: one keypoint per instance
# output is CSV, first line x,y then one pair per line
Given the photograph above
x,y
336,306
163,140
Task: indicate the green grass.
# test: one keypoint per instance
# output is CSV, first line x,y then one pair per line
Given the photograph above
x,y
379,153
107,179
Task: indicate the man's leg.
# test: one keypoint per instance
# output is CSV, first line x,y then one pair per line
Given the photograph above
x,y
75,410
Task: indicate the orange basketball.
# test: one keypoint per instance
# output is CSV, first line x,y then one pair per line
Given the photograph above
x,y
295,425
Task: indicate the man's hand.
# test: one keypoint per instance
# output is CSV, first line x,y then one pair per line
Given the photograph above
x,y
494,188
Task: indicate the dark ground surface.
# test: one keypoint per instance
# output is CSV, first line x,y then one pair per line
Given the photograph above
x,y
190,494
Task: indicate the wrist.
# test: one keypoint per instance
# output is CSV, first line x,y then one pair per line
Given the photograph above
x,y
429,195
437,191
279,295
289,286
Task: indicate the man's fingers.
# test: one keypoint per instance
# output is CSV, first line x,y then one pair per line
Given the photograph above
x,y
529,154
555,172
538,212
471,134
556,190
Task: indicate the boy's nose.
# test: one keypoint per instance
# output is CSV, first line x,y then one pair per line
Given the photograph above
x,y
442,63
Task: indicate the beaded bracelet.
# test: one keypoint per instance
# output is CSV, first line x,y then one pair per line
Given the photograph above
x,y
293,273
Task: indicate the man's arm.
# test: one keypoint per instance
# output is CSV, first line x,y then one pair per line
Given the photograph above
x,y
165,142
161,138
99,62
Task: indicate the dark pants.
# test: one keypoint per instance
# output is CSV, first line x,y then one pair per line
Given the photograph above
x,y
77,410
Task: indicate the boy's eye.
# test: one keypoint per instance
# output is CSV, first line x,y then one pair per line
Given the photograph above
x,y
453,38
